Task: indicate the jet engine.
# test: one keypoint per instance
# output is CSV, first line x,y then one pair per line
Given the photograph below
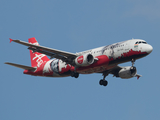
x,y
84,60
127,72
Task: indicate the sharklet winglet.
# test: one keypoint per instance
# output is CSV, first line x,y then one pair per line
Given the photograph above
x,y
10,40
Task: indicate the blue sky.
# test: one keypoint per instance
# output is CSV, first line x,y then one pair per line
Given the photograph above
x,y
74,26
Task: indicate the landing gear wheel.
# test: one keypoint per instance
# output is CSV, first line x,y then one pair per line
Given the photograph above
x,y
74,74
103,82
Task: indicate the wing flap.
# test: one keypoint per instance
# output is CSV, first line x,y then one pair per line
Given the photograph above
x,y
21,66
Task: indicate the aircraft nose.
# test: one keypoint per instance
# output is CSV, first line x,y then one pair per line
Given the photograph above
x,y
149,48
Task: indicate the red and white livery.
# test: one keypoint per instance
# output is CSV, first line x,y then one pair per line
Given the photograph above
x,y
103,60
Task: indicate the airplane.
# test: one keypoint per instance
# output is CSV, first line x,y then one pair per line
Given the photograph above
x,y
102,60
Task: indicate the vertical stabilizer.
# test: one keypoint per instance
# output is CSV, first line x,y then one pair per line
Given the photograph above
x,y
36,58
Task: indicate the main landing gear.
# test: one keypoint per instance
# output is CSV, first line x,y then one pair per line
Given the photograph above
x,y
74,74
103,81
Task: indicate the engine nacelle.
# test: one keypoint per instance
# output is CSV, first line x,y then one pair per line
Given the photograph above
x,y
84,60
127,72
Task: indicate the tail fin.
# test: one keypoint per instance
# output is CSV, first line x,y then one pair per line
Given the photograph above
x,y
36,58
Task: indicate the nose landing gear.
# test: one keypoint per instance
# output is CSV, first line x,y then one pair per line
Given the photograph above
x,y
133,62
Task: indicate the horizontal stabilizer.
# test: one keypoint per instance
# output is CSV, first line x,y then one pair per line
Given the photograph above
x,y
21,66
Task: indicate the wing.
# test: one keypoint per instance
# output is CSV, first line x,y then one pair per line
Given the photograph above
x,y
53,53
21,66
115,71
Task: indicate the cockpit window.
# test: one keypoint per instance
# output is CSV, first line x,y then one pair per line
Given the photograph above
x,y
139,42
144,42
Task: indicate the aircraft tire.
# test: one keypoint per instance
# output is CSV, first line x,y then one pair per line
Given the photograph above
x,y
103,82
72,74
76,75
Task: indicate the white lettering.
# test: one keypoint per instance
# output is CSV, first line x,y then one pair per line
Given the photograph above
x,y
39,59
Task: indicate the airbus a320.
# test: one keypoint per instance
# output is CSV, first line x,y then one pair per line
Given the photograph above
x,y
104,60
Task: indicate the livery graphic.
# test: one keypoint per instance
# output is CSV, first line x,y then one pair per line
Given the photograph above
x,y
59,67
102,60
55,65
39,59
135,45
80,59
111,49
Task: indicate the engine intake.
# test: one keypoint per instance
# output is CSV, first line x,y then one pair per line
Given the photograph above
x,y
84,60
